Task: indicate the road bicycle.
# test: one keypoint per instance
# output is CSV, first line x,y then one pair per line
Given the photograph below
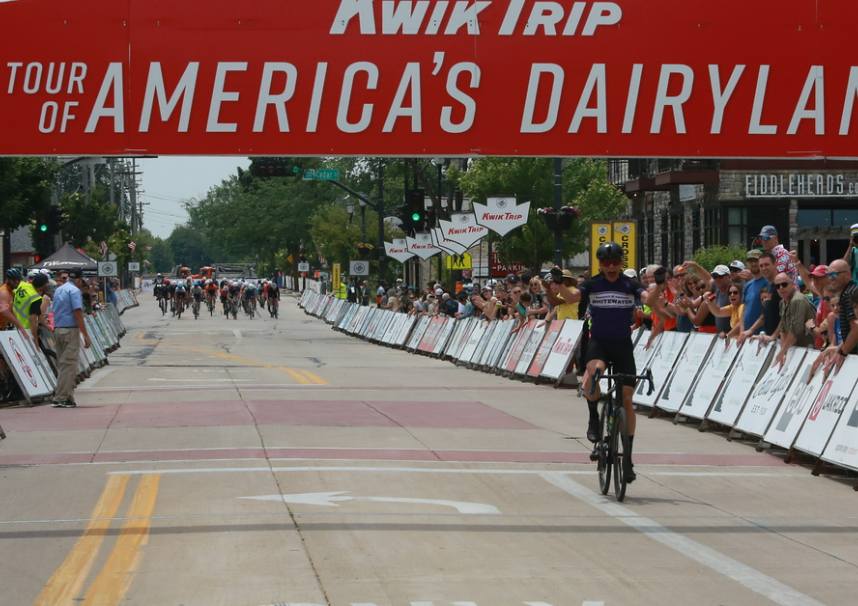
x,y
273,307
250,307
210,303
612,444
232,308
195,307
180,307
162,303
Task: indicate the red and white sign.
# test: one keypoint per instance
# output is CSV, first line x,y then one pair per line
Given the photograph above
x,y
501,215
463,229
422,246
769,78
449,247
502,270
398,249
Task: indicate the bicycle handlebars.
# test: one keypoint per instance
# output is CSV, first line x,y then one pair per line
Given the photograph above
x,y
647,376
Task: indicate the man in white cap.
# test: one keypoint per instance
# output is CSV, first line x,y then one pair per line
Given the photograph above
x,y
851,255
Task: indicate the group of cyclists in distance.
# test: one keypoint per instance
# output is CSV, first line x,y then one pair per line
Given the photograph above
x,y
177,294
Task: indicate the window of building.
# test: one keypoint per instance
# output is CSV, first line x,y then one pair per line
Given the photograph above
x,y
695,229
737,225
712,227
677,238
650,237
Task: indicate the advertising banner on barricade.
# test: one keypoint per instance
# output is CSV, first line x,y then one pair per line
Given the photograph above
x,y
530,348
769,391
669,349
502,337
541,356
645,349
517,348
492,340
473,341
32,377
796,405
458,344
444,336
842,448
460,326
418,332
405,331
563,350
837,391
484,344
712,375
750,363
430,337
687,369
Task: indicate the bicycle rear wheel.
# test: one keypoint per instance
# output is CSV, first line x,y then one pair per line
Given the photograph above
x,y
604,464
620,441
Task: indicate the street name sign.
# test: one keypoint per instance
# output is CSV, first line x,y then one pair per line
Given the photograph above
x,y
321,174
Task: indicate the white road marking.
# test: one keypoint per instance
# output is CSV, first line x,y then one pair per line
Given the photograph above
x,y
438,470
237,333
331,499
745,575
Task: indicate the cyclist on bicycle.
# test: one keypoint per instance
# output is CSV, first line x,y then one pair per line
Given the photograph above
x,y
249,294
180,296
610,298
273,297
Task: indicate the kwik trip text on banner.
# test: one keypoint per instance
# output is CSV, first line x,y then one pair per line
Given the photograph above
x,y
769,78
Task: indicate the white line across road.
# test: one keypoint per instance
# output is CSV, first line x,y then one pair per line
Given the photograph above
x,y
751,578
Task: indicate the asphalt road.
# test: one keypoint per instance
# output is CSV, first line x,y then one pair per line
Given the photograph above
x,y
258,462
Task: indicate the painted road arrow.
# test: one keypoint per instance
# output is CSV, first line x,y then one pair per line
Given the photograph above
x,y
331,499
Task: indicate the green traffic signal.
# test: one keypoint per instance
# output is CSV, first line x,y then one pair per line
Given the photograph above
x,y
43,228
415,216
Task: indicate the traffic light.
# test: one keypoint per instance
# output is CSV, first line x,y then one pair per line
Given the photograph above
x,y
414,215
275,167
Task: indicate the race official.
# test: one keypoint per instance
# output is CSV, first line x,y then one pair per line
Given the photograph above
x,y
69,327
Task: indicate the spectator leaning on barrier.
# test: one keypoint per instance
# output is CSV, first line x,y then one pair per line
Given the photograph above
x,y
734,311
796,311
771,244
68,318
770,299
28,304
841,276
7,299
751,292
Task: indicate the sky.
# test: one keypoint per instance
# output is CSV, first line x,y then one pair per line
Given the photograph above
x,y
169,181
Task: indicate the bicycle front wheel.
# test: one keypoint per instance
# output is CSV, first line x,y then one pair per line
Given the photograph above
x,y
620,441
603,446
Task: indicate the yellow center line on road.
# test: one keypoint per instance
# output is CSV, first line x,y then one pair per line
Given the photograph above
x,y
301,376
68,579
114,580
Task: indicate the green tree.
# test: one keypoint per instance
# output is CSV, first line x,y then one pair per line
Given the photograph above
x,y
585,186
161,256
88,217
189,247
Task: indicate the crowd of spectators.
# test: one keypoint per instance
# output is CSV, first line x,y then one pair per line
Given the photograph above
x,y
770,295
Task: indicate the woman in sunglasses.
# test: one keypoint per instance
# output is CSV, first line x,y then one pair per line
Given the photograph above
x,y
735,309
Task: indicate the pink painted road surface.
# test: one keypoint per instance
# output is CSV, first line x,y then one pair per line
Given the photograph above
x,y
222,413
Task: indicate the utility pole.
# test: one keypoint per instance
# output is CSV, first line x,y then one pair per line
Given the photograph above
x,y
382,255
133,196
558,203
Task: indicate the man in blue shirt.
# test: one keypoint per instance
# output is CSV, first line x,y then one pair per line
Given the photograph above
x,y
68,328
753,287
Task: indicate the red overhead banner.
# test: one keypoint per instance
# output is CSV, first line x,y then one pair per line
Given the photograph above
x,y
766,78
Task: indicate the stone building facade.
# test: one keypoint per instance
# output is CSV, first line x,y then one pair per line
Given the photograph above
x,y
683,205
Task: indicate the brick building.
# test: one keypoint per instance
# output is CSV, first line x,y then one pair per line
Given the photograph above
x,y
683,205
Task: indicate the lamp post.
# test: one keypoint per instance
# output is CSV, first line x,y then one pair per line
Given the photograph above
x,y
439,164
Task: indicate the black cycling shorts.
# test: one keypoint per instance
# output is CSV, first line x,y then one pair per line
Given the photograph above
x,y
619,353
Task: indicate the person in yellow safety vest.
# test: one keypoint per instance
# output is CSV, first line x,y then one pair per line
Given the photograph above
x,y
342,291
28,304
